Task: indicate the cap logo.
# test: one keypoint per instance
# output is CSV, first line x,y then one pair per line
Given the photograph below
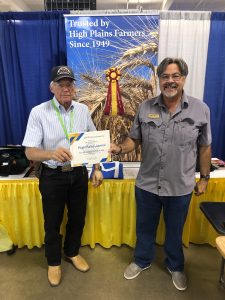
x,y
63,71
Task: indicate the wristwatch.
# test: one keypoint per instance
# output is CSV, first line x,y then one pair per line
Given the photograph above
x,y
206,177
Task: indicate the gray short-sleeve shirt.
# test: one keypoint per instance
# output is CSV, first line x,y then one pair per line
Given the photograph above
x,y
169,144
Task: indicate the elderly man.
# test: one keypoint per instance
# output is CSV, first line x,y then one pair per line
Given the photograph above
x,y
171,128
47,141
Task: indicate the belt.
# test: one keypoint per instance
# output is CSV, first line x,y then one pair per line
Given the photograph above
x,y
65,168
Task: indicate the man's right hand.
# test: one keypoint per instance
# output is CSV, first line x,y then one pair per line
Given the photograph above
x,y
61,154
115,149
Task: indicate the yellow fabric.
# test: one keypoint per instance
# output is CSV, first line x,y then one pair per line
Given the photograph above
x,y
114,97
111,214
5,242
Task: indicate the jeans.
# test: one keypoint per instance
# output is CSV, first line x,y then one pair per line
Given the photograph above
x,y
175,209
60,189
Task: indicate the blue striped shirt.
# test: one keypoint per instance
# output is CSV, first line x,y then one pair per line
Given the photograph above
x,y
44,129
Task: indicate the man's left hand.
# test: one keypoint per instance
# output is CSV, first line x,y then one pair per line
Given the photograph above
x,y
200,187
97,178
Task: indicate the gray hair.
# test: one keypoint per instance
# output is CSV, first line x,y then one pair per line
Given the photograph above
x,y
170,60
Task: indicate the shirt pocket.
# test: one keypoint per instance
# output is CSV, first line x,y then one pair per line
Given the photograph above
x,y
186,132
150,130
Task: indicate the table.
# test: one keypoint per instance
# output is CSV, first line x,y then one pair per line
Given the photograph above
x,y
111,214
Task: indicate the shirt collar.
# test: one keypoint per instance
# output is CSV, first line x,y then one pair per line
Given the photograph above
x,y
184,100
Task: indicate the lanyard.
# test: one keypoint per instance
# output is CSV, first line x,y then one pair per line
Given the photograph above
x,y
61,120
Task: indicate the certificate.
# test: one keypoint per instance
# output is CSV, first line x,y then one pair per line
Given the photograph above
x,y
90,147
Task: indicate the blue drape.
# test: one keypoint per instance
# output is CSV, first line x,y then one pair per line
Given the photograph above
x,y
31,43
214,93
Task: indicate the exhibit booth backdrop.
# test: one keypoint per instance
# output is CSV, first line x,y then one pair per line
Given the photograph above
x,y
32,43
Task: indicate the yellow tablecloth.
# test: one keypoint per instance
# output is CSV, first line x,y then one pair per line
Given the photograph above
x,y
110,218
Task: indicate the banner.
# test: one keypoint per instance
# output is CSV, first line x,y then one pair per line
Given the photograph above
x,y
114,59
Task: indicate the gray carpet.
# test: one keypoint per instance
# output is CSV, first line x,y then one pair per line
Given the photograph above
x,y
23,276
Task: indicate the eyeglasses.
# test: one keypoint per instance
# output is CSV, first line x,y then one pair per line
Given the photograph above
x,y
68,85
175,77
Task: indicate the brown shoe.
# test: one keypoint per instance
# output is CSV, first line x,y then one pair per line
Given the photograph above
x,y
79,263
54,275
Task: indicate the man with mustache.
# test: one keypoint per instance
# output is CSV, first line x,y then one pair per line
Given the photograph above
x,y
170,128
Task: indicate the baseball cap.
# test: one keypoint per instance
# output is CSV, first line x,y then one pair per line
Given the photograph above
x,y
60,72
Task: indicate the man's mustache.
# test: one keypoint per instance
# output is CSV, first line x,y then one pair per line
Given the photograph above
x,y
170,85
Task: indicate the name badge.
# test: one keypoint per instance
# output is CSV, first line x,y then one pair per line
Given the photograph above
x,y
153,116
